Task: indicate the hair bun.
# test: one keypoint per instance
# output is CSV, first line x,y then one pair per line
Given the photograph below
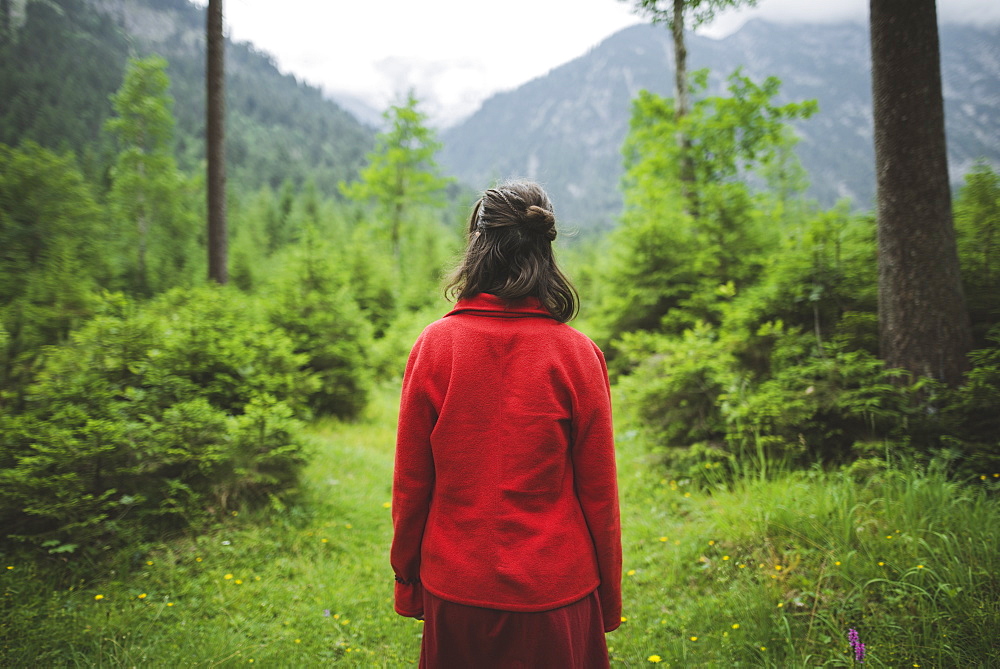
x,y
541,221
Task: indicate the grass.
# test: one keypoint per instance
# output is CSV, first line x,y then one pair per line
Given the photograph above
x,y
764,573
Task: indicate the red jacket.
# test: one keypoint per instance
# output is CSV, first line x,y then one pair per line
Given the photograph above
x,y
505,494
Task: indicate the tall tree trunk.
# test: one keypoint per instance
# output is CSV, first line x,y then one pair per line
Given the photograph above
x,y
682,106
215,144
682,97
923,323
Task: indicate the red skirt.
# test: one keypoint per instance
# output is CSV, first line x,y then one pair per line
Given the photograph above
x,y
457,636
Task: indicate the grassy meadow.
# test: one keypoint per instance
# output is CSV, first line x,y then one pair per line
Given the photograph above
x,y
769,572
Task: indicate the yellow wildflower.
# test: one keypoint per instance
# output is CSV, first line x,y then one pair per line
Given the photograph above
x,y
228,577
694,638
655,658
142,596
736,626
98,597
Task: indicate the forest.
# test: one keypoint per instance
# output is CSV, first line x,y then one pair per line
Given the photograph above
x,y
195,474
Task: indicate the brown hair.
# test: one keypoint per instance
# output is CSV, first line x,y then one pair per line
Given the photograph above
x,y
509,255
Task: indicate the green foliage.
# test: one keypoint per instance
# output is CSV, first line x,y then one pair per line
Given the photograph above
x,y
697,564
57,71
61,65
969,428
53,235
154,226
311,302
775,570
401,174
152,419
745,328
977,224
666,259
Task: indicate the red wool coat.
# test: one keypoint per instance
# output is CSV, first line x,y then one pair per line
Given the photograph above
x,y
505,493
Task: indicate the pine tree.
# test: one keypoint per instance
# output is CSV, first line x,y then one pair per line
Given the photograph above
x,y
401,174
147,190
680,15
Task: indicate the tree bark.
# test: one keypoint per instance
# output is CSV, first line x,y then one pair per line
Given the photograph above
x,y
215,144
682,96
682,106
923,323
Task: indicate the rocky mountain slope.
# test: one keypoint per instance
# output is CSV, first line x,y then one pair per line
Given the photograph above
x,y
566,128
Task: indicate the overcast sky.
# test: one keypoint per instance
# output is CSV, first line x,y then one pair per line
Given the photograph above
x,y
455,53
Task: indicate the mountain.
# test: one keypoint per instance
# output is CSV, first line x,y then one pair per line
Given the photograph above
x,y
64,58
566,129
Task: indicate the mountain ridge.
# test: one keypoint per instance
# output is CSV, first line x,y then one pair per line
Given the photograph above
x,y
566,127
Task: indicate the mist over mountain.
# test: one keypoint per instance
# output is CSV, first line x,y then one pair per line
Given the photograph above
x,y
566,129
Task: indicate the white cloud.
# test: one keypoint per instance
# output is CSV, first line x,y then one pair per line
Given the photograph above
x,y
828,11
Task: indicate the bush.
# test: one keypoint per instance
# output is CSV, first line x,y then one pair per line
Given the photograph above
x,y
312,304
150,420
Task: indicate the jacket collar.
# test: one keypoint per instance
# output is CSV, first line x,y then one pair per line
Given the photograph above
x,y
485,304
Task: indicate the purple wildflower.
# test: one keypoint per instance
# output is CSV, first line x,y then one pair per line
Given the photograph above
x,y
856,645
326,613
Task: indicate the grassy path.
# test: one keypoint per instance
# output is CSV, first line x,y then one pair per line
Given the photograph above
x,y
769,574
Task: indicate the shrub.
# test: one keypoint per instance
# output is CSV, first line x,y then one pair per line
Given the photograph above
x,y
312,304
150,420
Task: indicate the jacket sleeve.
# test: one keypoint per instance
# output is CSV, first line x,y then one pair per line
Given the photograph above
x,y
597,483
413,481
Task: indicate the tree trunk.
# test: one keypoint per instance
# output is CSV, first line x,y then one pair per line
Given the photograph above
x,y
682,106
682,97
923,323
215,144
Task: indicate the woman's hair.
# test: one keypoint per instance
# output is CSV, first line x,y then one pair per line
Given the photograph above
x,y
510,251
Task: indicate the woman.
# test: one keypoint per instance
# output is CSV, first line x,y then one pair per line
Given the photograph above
x,y
507,538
